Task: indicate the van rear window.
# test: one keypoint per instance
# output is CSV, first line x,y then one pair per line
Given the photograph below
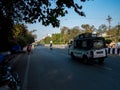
x,y
98,44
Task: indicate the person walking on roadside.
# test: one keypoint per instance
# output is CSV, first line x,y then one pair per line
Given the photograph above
x,y
28,49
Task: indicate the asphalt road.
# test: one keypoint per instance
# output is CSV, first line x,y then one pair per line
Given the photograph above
x,y
46,69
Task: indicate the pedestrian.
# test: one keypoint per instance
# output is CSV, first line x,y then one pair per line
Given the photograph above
x,y
28,49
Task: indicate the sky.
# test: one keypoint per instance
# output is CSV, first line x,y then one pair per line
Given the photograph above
x,y
96,11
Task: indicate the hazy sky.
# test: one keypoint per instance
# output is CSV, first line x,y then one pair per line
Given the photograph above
x,y
96,12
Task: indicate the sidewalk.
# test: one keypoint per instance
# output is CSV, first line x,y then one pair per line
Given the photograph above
x,y
9,59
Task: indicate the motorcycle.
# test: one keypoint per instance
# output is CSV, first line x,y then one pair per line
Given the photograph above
x,y
9,78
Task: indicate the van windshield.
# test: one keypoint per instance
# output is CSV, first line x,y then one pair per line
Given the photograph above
x,y
98,44
93,43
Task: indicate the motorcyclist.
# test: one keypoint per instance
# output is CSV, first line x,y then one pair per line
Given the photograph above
x,y
28,49
51,44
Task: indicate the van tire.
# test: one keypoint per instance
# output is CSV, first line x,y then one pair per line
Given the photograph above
x,y
72,56
101,60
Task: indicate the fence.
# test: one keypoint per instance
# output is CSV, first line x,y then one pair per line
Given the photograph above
x,y
109,50
113,50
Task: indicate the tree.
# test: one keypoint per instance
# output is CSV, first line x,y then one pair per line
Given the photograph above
x,y
88,28
108,41
33,35
47,40
45,11
75,31
31,11
56,38
19,29
115,33
5,33
102,28
64,34
29,38
21,35
68,34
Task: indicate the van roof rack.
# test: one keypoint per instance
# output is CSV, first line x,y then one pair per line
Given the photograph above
x,y
86,35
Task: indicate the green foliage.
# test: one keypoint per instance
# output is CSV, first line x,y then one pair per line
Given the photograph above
x,y
29,38
119,40
67,34
22,41
87,28
47,40
63,37
32,11
56,38
108,41
19,30
114,33
5,32
22,35
102,28
45,11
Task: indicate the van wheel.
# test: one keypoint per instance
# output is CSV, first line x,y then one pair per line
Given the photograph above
x,y
85,60
101,60
72,56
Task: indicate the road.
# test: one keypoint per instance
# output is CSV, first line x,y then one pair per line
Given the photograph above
x,y
46,69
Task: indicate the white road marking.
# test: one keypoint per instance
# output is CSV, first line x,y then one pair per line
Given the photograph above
x,y
16,58
24,87
103,67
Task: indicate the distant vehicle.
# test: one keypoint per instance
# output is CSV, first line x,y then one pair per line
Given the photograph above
x,y
88,47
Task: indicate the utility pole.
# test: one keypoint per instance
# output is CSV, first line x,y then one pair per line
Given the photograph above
x,y
109,22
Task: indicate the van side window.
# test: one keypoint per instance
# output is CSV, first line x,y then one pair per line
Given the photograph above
x,y
84,44
78,44
75,44
98,44
90,43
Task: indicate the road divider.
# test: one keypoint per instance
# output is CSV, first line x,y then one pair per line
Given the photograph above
x,y
113,51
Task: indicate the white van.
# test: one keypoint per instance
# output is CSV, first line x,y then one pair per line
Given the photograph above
x,y
88,47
